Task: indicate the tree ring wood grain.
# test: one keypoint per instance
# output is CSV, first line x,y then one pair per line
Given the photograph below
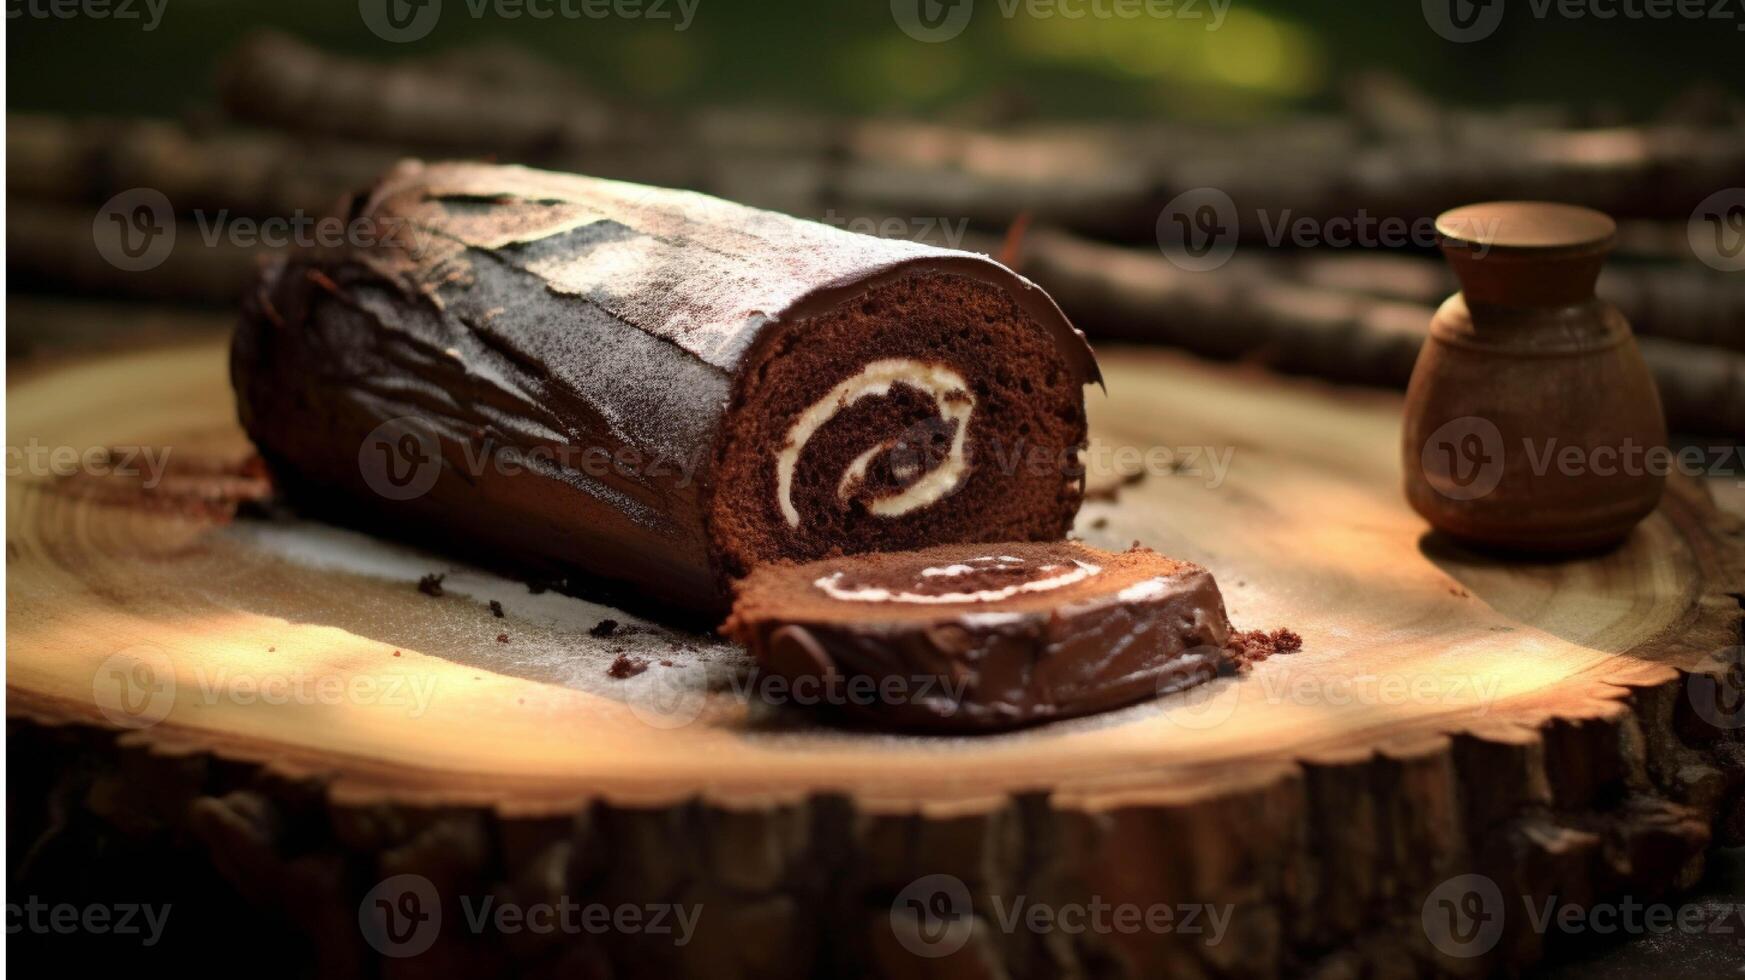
x,y
1541,724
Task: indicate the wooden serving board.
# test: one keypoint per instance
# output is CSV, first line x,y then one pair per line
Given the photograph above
x,y
1542,723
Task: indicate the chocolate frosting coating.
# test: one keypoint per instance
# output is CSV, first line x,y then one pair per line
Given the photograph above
x,y
568,320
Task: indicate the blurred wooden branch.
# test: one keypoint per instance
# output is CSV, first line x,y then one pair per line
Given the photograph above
x,y
1687,302
319,126
52,248
1247,310
1110,179
259,173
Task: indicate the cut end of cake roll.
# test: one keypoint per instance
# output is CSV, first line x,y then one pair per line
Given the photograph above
x,y
935,405
982,638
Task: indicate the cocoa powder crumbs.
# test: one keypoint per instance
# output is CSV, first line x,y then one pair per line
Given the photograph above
x,y
626,666
496,609
1249,647
604,628
502,638
431,585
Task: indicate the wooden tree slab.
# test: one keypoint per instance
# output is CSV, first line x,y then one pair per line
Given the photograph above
x,y
278,701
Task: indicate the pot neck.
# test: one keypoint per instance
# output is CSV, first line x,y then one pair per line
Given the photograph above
x,y
1504,278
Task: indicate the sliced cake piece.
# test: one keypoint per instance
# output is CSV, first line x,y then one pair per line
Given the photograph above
x,y
968,636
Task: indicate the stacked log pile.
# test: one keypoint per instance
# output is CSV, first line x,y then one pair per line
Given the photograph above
x,y
299,129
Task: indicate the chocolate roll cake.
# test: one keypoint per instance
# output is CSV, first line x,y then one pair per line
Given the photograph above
x,y
960,637
584,378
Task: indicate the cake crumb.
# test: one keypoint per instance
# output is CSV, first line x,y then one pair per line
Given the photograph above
x,y
502,638
1100,523
396,653
496,609
604,628
666,663
431,585
626,666
1249,647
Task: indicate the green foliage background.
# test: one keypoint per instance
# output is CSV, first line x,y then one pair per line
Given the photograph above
x,y
1269,56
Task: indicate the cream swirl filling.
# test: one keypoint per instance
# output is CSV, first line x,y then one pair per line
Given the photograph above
x,y
831,585
952,397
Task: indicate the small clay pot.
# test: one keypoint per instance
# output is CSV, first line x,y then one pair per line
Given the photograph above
x,y
1532,422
